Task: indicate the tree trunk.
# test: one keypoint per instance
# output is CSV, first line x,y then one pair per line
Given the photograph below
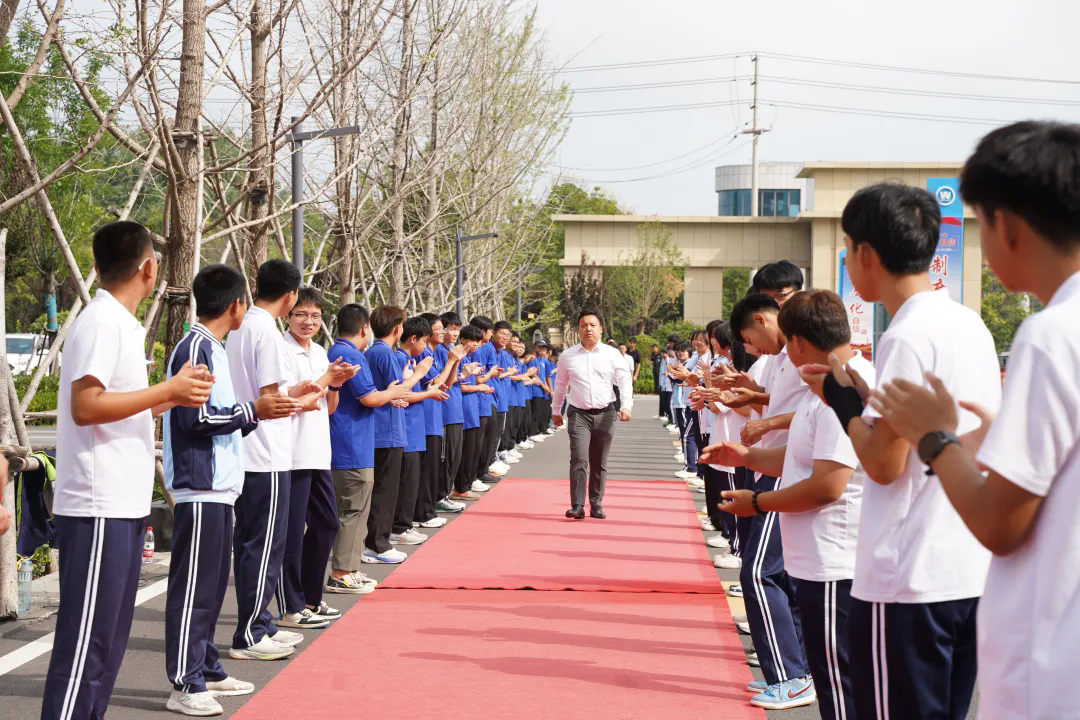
x,y
181,247
8,8
8,588
397,199
344,146
427,272
259,191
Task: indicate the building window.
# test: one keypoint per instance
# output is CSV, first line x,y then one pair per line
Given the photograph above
x,y
771,203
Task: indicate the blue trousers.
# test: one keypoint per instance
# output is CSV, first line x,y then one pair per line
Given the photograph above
x,y
198,579
309,538
717,481
262,512
99,575
913,661
769,593
823,607
742,478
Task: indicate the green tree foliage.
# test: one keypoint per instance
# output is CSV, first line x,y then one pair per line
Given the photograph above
x,y
646,286
1003,311
736,283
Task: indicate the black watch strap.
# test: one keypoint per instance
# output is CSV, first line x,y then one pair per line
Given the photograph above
x,y
331,388
933,444
753,502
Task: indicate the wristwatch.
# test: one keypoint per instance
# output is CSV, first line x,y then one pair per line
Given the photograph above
x,y
331,388
932,445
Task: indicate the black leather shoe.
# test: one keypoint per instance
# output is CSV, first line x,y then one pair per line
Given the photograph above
x,y
488,479
576,513
595,511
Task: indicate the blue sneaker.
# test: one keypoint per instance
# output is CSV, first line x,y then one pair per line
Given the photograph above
x,y
757,686
787,694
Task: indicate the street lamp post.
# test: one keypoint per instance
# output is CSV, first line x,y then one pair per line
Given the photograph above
x,y
297,138
458,239
521,271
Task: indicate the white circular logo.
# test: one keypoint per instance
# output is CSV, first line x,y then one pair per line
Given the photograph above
x,y
946,196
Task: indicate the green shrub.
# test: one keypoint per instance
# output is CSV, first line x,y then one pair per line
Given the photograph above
x,y
645,343
644,383
47,396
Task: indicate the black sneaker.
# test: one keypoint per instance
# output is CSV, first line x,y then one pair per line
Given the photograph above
x,y
303,619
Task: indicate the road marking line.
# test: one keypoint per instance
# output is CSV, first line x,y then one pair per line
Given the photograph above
x,y
17,658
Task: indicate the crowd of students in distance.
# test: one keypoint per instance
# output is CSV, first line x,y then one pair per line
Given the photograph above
x,y
282,458
928,516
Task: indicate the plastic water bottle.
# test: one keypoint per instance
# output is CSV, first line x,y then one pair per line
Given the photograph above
x,y
148,546
26,579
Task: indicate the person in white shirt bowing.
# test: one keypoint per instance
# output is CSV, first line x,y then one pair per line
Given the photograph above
x,y
585,376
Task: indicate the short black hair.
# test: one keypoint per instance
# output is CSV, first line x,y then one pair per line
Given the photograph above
x,y
415,327
351,319
818,317
385,319
471,333
631,339
432,318
742,315
275,279
119,249
451,319
483,322
901,222
586,313
622,344
683,347
216,288
776,276
723,336
1031,169
308,295
503,325
709,327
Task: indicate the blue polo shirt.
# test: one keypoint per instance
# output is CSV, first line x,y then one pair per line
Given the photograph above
x,y
549,375
352,429
433,409
536,391
470,402
389,420
415,432
517,398
486,355
451,409
502,395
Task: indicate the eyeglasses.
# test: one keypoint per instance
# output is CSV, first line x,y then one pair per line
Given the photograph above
x,y
304,317
780,296
157,259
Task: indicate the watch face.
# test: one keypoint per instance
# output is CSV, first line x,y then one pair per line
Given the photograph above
x,y
930,446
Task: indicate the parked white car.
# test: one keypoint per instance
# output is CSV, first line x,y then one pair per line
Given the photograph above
x,y
25,352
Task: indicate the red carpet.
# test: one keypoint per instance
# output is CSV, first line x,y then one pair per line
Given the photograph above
x,y
517,537
453,654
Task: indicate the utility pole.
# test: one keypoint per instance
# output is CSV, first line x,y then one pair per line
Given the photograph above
x,y
756,132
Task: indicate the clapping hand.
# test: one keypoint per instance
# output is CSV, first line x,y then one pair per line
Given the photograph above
x,y
340,371
277,405
753,431
814,376
191,386
729,454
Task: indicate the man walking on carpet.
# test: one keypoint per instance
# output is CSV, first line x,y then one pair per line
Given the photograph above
x,y
586,376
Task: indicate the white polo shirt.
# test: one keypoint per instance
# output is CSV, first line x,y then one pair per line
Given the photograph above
x,y
757,373
914,548
258,358
311,430
786,390
819,545
104,470
1029,617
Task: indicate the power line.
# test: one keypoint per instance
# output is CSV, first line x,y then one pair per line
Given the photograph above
x,y
921,71
925,93
652,109
712,158
647,63
650,86
653,164
887,113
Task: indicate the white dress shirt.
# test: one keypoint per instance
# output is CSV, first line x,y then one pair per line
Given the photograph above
x,y
586,378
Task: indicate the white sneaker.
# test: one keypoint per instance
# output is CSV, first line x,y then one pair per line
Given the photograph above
x,y
229,687
418,536
704,510
673,429
726,562
549,432
303,619
538,438
509,459
719,542
655,417
695,482
707,525
361,578
498,468
435,522
287,638
265,649
478,486
408,537
390,557
514,454
197,704
743,627
680,457
684,474
526,445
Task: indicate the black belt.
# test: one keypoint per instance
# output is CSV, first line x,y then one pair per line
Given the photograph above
x,y
598,411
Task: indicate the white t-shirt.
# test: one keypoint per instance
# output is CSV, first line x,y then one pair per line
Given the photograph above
x,y
757,373
311,430
786,390
820,545
914,548
258,358
629,359
1029,617
104,470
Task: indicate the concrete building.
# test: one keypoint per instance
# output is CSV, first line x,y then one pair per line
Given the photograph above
x,y
812,239
781,192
